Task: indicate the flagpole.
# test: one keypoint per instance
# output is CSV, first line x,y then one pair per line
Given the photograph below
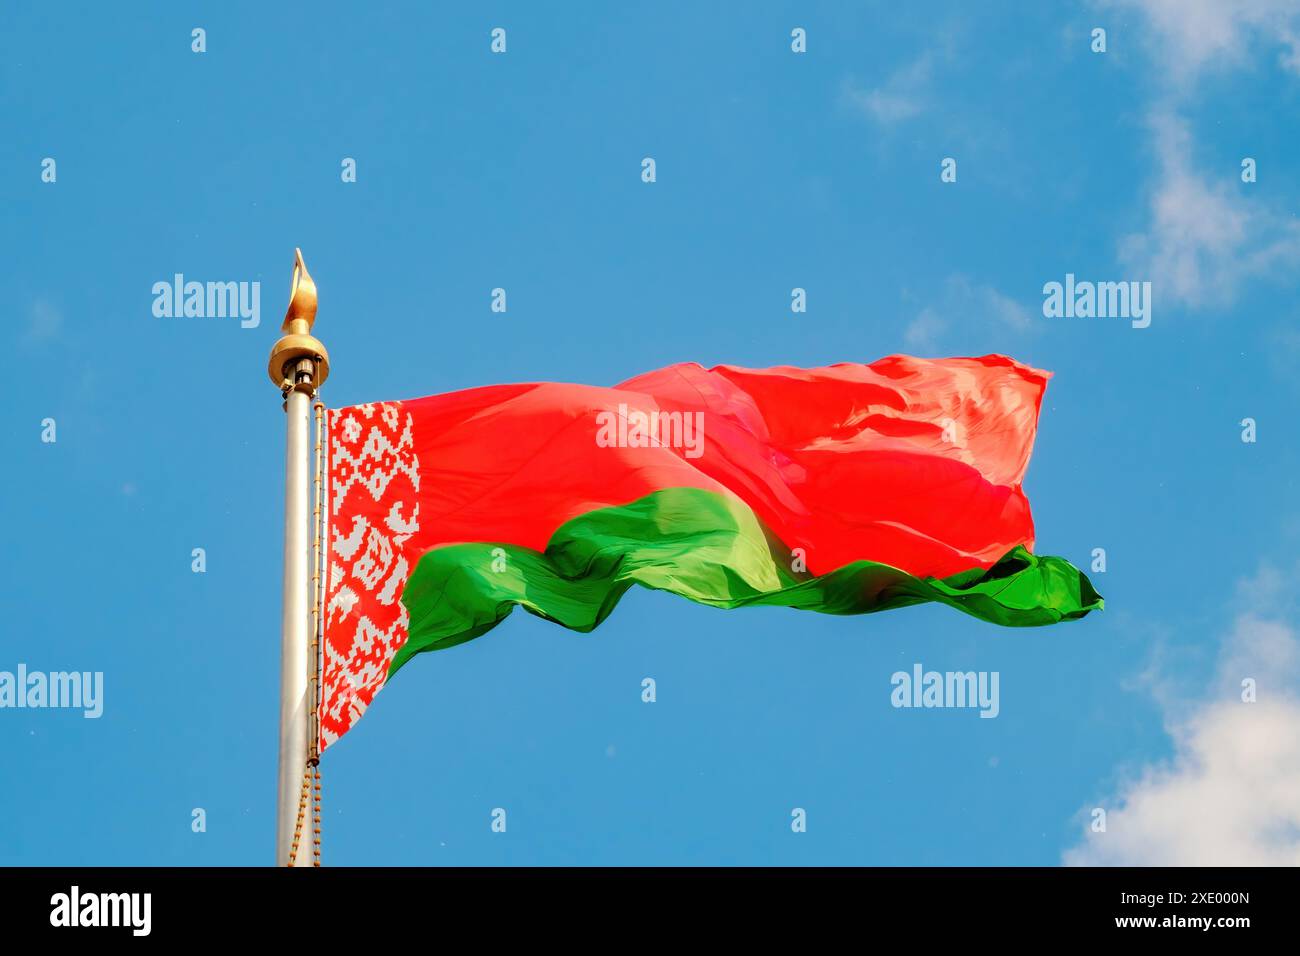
x,y
299,365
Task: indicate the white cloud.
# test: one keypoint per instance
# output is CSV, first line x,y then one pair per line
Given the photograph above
x,y
1194,35
1203,240
903,96
1230,795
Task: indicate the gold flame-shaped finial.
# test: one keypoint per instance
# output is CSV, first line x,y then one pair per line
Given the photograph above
x,y
298,345
302,299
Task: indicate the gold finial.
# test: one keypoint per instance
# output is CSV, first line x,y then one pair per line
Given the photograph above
x,y
302,299
299,344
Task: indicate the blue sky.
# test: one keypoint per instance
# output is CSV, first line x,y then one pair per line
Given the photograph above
x,y
775,170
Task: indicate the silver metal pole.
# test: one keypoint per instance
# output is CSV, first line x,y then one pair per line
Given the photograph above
x,y
299,365
294,626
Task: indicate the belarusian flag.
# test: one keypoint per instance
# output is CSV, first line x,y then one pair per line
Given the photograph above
x,y
848,489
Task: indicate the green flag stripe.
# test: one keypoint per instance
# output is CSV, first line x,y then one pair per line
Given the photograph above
x,y
713,549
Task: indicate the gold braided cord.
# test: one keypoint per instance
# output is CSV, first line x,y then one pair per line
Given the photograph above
x,y
314,657
302,812
315,819
317,592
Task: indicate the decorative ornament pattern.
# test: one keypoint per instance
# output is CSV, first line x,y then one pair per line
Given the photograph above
x,y
373,481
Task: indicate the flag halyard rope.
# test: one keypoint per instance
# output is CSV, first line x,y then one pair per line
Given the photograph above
x,y
312,770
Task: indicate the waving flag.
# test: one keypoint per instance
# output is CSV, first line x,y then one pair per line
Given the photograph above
x,y
847,490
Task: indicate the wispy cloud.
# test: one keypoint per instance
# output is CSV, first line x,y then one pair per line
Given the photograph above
x,y
967,304
924,331
905,94
43,322
1203,240
1231,793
